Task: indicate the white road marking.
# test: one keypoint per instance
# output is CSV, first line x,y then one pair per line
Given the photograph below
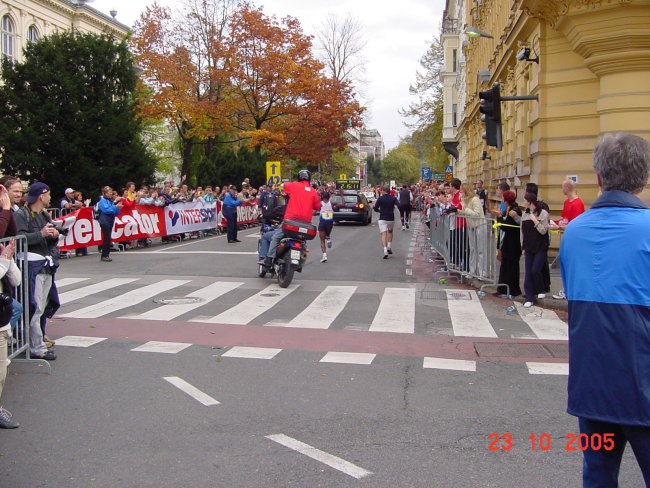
x,y
192,391
252,307
330,460
79,341
396,312
348,357
251,352
409,262
454,364
125,300
410,255
408,271
235,253
84,291
544,323
468,318
320,313
163,347
548,368
186,244
171,311
61,282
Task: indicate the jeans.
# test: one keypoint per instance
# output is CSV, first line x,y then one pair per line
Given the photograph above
x,y
533,282
600,467
265,243
41,291
15,318
275,240
231,221
106,240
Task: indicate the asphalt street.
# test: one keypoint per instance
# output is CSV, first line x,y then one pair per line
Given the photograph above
x,y
273,401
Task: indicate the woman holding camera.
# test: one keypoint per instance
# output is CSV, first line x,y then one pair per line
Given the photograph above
x,y
509,245
534,230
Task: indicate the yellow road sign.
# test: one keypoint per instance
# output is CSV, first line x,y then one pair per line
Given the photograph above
x,y
273,173
343,176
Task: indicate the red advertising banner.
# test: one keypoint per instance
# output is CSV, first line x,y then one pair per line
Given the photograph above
x,y
247,213
139,223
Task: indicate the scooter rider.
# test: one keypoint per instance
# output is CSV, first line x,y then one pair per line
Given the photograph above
x,y
303,201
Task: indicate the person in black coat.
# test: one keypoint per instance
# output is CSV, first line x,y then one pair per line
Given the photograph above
x,y
510,245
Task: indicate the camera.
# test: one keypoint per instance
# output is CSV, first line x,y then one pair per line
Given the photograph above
x,y
523,54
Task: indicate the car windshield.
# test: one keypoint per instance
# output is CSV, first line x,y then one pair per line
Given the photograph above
x,y
345,198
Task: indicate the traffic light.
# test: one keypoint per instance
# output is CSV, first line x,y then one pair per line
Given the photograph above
x,y
490,101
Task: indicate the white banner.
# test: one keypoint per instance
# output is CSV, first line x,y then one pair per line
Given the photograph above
x,y
190,217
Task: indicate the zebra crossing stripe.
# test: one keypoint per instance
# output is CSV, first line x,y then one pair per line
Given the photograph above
x,y
544,323
396,312
320,313
450,364
252,307
171,311
126,300
191,390
561,369
468,318
348,357
61,282
84,291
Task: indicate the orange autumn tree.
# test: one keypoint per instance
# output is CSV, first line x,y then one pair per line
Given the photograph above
x,y
284,103
182,71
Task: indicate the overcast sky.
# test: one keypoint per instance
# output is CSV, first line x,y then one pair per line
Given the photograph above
x,y
397,33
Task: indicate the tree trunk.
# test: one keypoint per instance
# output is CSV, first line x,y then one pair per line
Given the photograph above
x,y
187,159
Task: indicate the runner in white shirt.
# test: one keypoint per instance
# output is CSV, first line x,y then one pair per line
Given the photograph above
x,y
325,224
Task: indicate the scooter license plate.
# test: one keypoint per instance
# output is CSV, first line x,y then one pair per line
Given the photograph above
x,y
295,254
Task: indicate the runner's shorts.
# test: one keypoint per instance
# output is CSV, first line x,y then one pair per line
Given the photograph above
x,y
325,226
386,225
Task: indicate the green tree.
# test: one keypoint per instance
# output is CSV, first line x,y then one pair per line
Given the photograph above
x,y
401,164
67,114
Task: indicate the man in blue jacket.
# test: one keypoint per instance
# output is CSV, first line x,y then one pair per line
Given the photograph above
x,y
108,210
230,204
605,263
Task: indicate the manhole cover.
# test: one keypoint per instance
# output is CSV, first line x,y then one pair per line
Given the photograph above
x,y
510,350
459,295
433,295
177,300
269,294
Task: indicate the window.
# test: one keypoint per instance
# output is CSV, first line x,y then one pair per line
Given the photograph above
x,y
454,115
32,34
454,60
8,38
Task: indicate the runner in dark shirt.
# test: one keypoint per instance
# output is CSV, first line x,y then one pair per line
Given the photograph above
x,y
385,205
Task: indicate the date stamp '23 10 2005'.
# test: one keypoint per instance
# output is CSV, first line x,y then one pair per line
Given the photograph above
x,y
543,442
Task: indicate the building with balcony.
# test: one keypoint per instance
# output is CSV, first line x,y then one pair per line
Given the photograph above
x,y
588,61
24,21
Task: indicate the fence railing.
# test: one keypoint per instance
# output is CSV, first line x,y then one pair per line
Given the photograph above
x,y
19,343
468,246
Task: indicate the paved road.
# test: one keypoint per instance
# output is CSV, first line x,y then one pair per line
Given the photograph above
x,y
365,373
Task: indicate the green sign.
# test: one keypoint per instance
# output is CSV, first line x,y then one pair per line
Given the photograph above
x,y
348,184
438,176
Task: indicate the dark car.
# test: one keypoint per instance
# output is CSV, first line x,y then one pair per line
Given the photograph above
x,y
351,205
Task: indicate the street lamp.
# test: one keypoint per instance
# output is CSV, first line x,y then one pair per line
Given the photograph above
x,y
476,32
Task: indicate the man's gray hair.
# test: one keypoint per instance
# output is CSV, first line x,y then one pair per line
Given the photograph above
x,y
622,160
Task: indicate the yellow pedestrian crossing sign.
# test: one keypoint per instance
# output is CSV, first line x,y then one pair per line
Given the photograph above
x,y
343,176
273,173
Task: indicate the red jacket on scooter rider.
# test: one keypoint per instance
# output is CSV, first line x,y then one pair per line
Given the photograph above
x,y
303,199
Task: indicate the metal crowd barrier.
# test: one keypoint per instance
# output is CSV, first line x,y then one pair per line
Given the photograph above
x,y
54,212
467,245
19,343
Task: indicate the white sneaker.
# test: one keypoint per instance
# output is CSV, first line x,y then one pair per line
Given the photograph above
x,y
541,296
560,295
323,259
528,304
329,243
403,228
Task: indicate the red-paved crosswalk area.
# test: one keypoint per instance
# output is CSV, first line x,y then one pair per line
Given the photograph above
x,y
315,340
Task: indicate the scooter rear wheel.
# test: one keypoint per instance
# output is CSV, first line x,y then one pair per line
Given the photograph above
x,y
285,275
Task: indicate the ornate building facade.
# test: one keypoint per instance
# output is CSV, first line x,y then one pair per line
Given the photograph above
x,y
588,61
24,21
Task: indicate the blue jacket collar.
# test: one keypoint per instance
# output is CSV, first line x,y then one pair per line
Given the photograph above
x,y
618,198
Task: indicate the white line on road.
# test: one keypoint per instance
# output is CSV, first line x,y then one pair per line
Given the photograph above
x,y
192,391
162,347
251,352
236,253
453,364
79,341
468,318
320,313
125,300
330,460
544,323
409,272
396,312
61,282
172,310
548,368
252,307
348,357
84,291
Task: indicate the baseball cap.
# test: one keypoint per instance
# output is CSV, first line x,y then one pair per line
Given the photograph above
x,y
35,191
69,190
